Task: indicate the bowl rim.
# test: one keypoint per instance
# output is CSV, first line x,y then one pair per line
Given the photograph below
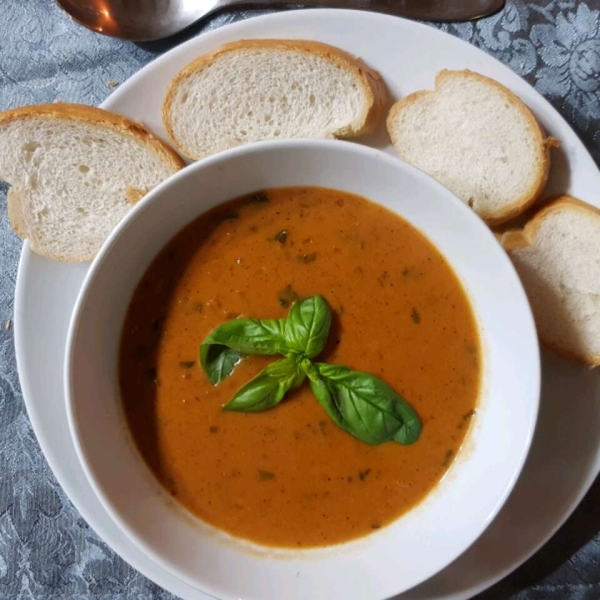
x,y
190,171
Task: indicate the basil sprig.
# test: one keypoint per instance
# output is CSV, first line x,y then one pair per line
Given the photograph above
x,y
357,402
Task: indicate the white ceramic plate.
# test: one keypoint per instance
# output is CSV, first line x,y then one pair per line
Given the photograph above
x,y
565,455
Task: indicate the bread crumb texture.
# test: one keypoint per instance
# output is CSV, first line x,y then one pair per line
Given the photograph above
x,y
478,139
270,89
557,256
71,171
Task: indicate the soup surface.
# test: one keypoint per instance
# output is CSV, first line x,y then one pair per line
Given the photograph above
x,y
289,476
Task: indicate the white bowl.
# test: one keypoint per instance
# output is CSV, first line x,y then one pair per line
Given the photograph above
x,y
394,558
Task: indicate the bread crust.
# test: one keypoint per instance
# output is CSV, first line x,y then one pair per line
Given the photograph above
x,y
86,114
378,98
544,142
522,238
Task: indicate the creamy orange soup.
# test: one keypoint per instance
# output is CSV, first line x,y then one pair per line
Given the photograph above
x,y
289,476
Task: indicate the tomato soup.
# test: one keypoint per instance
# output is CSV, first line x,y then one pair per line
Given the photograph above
x,y
288,476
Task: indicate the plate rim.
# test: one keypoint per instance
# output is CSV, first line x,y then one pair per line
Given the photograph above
x,y
20,343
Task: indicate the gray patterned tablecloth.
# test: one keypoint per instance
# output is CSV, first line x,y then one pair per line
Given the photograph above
x,y
47,551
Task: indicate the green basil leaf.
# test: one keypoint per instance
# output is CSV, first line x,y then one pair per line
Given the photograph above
x,y
363,405
226,345
308,367
307,326
268,388
219,362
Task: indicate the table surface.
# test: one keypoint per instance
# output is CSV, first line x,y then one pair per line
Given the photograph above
x,y
47,551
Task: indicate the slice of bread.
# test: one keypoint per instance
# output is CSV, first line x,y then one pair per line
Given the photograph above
x,y
478,139
255,90
75,171
557,255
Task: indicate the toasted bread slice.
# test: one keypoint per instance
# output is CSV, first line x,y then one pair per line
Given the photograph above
x,y
255,90
478,139
557,255
75,171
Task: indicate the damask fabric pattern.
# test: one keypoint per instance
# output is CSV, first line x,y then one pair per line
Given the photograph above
x,y
47,551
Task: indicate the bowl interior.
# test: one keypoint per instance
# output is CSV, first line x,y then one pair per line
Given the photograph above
x,y
393,559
